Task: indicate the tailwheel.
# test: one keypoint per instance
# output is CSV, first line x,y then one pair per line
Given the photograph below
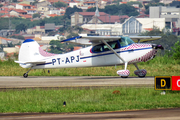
x,y
25,75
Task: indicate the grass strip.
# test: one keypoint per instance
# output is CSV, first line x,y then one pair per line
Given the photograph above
x,y
86,100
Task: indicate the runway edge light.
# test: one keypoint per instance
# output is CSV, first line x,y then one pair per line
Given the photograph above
x,y
162,83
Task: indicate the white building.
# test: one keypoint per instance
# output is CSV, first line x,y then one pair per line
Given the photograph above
x,y
104,29
131,26
72,4
23,6
49,38
152,22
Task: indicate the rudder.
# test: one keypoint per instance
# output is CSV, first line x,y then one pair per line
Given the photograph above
x,y
29,51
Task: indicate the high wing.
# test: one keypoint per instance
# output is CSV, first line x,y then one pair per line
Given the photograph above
x,y
144,38
89,40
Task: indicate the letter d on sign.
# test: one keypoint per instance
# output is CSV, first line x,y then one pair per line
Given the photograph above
x,y
163,81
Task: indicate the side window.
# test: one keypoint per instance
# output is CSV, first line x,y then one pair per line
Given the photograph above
x,y
103,47
114,45
106,48
98,48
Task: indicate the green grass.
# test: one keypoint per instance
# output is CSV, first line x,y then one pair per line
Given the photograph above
x,y
89,100
86,100
156,67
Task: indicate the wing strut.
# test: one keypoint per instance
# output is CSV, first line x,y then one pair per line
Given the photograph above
x,y
112,50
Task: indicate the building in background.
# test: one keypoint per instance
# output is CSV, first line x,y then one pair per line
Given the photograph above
x,y
171,15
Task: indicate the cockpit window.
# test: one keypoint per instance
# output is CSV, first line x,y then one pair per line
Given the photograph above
x,y
103,47
98,48
124,41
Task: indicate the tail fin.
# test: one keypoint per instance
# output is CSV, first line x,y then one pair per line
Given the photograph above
x,y
29,51
31,54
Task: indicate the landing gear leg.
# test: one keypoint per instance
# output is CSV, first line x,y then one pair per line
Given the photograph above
x,y
124,73
25,75
140,72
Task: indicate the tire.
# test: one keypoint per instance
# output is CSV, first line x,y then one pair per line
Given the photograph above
x,y
124,76
141,76
25,75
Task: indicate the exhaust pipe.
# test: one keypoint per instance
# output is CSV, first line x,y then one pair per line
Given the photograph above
x,y
154,46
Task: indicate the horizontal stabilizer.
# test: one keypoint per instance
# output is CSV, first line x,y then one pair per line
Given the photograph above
x,y
30,62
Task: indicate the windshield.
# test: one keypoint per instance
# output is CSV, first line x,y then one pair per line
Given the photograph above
x,y
124,41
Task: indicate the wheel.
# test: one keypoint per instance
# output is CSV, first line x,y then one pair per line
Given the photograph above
x,y
25,75
141,76
124,76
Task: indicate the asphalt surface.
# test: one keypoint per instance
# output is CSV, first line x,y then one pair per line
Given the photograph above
x,y
63,82
83,81
158,114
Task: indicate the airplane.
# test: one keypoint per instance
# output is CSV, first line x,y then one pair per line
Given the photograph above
x,y
103,51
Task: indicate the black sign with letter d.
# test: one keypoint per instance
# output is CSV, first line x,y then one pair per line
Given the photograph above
x,y
162,83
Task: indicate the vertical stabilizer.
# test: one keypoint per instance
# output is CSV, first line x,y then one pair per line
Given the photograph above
x,y
29,51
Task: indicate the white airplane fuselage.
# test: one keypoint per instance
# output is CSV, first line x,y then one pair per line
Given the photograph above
x,y
134,53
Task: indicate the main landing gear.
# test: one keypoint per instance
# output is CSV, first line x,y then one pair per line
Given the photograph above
x,y
25,75
140,72
125,73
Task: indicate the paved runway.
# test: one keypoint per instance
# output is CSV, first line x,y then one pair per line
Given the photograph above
x,y
161,114
84,81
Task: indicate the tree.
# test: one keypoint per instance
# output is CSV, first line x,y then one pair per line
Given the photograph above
x,y
167,39
9,44
72,35
21,27
155,1
59,48
42,22
34,3
152,4
78,28
1,47
123,8
176,50
18,37
70,11
135,2
4,23
93,9
36,15
59,4
117,1
14,1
